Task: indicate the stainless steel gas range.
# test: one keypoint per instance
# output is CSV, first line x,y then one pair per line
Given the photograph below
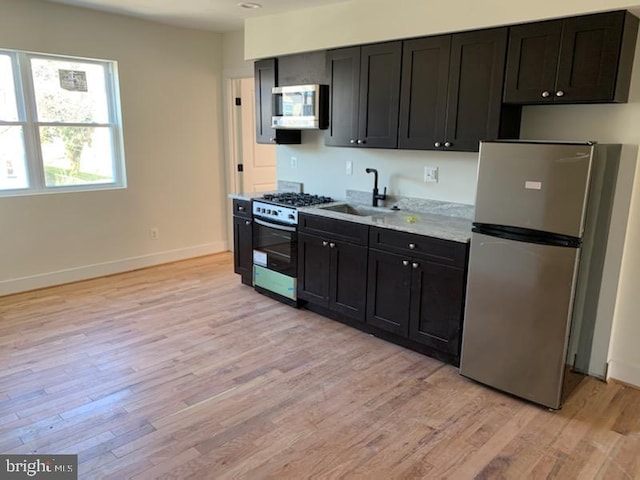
x,y
275,243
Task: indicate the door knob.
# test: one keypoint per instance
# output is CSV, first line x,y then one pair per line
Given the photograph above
x,y
324,244
559,93
352,141
437,144
545,94
447,144
415,265
332,245
405,263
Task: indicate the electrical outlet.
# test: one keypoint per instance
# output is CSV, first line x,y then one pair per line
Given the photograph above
x,y
430,174
294,162
154,233
349,167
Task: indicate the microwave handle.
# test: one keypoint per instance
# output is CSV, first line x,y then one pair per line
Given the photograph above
x,y
274,225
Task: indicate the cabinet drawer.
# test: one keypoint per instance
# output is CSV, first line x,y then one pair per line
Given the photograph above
x,y
337,229
242,208
435,249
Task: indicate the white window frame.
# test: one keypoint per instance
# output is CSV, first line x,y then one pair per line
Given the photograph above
x,y
27,118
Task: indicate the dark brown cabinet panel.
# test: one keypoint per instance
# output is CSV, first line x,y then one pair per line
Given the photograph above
x,y
437,293
266,77
452,92
332,271
389,292
586,59
343,67
423,100
243,240
365,86
314,261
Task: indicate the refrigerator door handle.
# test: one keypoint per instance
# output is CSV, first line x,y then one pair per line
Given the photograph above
x,y
526,235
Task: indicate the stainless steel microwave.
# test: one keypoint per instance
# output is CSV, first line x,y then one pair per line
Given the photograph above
x,y
300,107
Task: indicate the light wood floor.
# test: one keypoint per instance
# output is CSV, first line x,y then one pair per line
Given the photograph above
x,y
179,371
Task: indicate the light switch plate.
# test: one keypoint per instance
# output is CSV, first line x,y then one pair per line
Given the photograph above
x,y
431,174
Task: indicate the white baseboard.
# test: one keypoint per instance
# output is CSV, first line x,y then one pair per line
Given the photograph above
x,y
625,373
49,279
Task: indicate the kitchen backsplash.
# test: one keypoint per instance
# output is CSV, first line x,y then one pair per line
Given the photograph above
x,y
323,170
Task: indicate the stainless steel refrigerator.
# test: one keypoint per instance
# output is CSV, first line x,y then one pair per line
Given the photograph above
x,y
537,253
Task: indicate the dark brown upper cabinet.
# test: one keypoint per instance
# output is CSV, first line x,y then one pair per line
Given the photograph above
x,y
451,95
365,93
266,77
586,59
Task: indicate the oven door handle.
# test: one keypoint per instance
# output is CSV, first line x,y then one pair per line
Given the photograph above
x,y
274,225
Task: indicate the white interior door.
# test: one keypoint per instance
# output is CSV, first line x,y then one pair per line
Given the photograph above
x,y
259,160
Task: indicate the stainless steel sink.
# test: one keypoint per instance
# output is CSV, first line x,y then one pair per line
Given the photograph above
x,y
350,209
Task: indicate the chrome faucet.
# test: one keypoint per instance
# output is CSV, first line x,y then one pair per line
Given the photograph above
x,y
376,196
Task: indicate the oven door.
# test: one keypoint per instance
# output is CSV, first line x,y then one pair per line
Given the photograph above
x,y
275,246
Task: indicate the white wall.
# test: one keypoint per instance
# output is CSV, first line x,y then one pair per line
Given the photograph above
x,y
170,85
322,169
362,21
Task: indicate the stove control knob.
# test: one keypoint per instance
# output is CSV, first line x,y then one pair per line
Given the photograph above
x,y
269,212
292,216
275,213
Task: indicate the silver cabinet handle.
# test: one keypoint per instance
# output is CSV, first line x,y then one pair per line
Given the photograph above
x,y
352,141
559,93
545,94
332,245
405,263
240,208
324,244
415,265
412,246
360,142
447,144
272,139
437,144
247,222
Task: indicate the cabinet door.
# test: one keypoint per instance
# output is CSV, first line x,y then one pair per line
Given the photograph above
x,y
348,280
243,248
475,88
343,67
532,62
265,73
313,269
379,95
589,55
423,98
389,292
436,306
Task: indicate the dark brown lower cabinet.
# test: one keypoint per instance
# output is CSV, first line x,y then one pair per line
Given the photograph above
x,y
416,299
243,241
332,274
389,292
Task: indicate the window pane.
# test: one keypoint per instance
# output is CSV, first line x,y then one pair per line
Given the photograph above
x,y
71,92
8,106
77,155
13,165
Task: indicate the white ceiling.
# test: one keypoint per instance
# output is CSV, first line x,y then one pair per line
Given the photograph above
x,y
214,15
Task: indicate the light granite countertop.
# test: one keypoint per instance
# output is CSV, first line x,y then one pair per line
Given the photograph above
x,y
448,221
446,227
